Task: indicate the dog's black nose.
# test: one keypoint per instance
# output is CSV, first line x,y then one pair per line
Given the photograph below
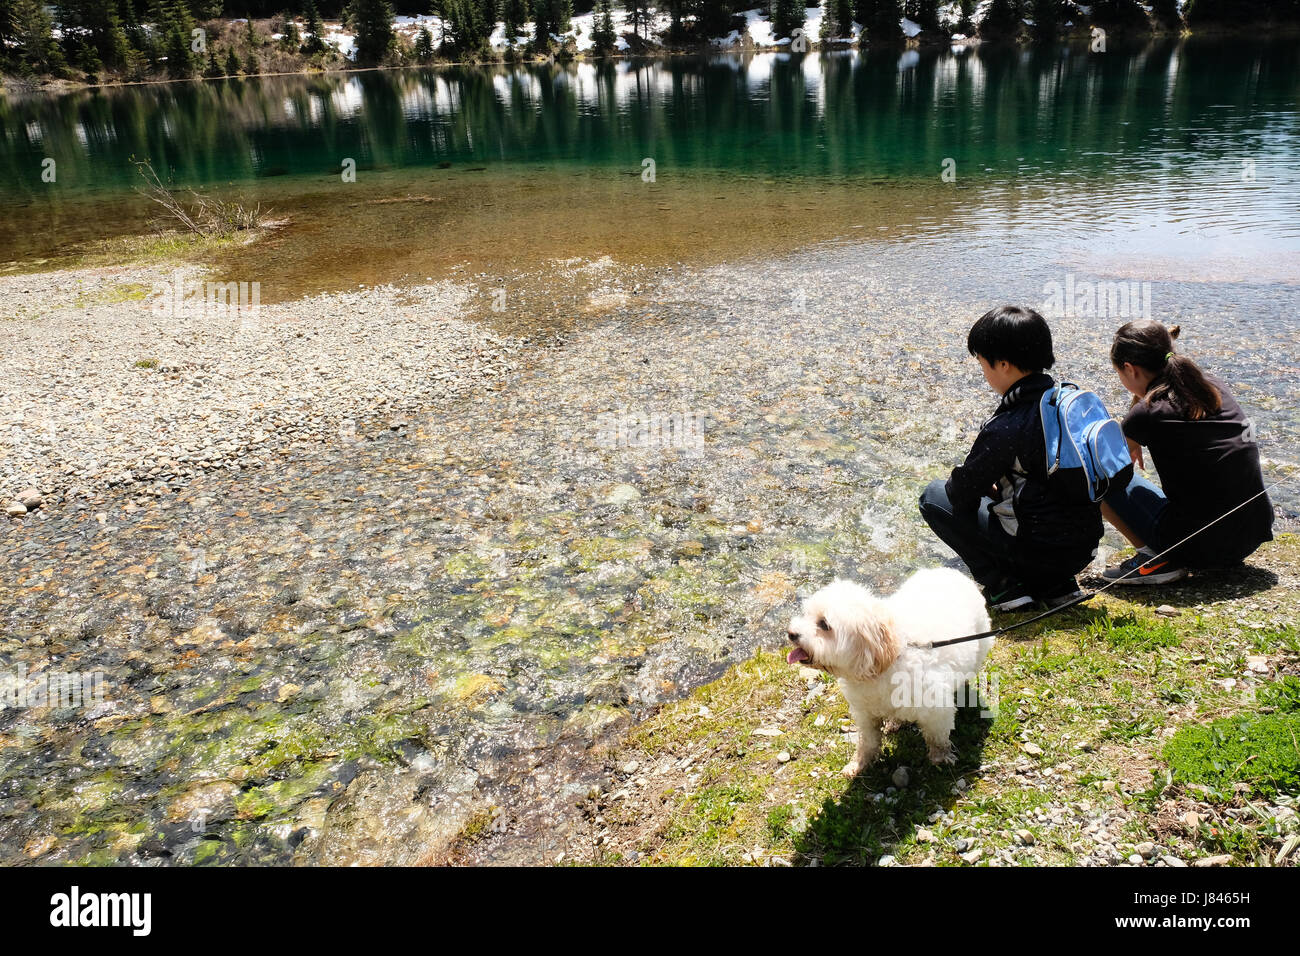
x,y
792,635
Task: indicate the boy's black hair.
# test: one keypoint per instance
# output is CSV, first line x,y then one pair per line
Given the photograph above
x,y
1020,336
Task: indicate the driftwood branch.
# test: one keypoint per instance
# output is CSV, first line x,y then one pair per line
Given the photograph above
x,y
206,216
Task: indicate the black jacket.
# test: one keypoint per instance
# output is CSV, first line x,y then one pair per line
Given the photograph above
x,y
1055,535
1207,467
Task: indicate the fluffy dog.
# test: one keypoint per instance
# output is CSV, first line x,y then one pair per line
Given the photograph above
x,y
870,644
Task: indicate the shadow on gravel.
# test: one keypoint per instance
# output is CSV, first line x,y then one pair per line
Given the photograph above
x,y
857,829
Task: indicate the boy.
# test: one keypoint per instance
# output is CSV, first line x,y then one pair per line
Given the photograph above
x,y
1022,539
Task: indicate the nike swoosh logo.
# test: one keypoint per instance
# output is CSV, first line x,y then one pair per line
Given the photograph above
x,y
1151,568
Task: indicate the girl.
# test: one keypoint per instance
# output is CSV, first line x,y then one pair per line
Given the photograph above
x,y
1204,449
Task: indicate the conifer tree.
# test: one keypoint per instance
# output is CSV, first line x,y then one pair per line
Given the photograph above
x,y
315,43
1167,13
880,20
542,25
424,45
1002,18
137,64
372,22
514,14
837,19
291,39
92,25
786,16
176,44
470,24
33,33
926,13
603,35
1046,15
1125,14
561,15
6,24
638,11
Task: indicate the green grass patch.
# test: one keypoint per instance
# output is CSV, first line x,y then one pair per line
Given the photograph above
x,y
1269,640
710,820
1259,750
1282,695
1128,633
114,294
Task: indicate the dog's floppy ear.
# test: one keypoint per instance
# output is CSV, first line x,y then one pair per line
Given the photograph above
x,y
867,636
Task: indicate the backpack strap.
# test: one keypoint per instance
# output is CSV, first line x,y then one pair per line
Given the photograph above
x,y
1055,402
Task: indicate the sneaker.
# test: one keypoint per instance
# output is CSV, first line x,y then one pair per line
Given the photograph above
x,y
1007,595
1140,569
1060,594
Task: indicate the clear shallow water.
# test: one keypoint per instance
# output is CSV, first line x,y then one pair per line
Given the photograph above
x,y
346,659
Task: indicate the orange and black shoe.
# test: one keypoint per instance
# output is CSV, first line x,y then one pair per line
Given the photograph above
x,y
1141,569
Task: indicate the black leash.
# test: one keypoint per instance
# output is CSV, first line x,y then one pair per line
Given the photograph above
x,y
1088,597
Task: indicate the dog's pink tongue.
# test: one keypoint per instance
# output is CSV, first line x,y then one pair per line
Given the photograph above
x,y
796,655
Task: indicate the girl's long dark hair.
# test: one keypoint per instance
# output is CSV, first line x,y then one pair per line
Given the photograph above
x,y
1149,345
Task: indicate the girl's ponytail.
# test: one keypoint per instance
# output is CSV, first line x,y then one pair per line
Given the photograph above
x,y
1149,345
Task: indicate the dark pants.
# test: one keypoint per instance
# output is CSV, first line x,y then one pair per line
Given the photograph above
x,y
976,536
991,554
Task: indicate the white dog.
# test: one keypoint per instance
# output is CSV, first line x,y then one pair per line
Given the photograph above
x,y
871,645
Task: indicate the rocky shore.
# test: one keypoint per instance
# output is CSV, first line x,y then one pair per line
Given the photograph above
x,y
454,639
111,380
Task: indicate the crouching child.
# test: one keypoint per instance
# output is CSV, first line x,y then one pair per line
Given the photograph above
x,y
1023,537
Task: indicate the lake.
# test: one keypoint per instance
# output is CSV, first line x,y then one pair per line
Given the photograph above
x,y
442,618
1168,150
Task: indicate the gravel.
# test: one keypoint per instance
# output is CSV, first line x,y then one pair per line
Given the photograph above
x,y
100,388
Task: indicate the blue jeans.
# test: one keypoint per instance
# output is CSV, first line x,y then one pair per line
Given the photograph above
x,y
1141,506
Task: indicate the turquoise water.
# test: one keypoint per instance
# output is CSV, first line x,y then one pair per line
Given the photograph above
x,y
1203,134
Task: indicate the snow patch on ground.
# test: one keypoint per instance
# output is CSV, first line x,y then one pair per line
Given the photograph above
x,y
758,27
345,43
763,34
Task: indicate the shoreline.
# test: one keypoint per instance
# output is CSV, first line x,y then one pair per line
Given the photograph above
x,y
745,770
56,86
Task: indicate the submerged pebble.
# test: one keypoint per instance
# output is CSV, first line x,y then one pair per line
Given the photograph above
x,y
371,640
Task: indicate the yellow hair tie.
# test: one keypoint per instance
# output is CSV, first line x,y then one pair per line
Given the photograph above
x,y
1168,356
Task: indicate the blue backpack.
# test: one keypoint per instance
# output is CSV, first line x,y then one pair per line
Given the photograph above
x,y
1085,446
